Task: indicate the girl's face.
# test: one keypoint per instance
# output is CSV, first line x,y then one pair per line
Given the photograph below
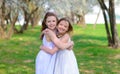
x,y
63,27
51,22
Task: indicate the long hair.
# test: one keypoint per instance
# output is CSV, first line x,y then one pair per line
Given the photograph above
x,y
70,28
44,26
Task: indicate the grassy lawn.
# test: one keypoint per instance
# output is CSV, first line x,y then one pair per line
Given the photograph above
x,y
17,55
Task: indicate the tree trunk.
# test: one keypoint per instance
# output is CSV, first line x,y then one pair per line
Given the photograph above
x,y
81,20
96,19
35,19
104,8
24,27
11,30
72,17
112,35
2,20
115,37
27,19
107,29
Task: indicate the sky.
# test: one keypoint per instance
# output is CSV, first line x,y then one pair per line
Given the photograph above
x,y
91,17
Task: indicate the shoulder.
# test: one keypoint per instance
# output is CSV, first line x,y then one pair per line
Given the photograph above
x,y
65,38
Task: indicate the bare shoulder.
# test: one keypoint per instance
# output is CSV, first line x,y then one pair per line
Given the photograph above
x,y
65,38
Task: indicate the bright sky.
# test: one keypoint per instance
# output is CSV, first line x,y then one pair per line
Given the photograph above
x,y
91,17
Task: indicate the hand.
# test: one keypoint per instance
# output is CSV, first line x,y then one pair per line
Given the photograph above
x,y
41,47
50,33
72,43
45,31
71,46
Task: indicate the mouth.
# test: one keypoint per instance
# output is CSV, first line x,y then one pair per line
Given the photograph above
x,y
61,30
52,26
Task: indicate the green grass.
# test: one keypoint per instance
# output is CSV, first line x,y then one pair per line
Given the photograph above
x,y
17,55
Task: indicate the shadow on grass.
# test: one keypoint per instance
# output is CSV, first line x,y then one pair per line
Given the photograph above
x,y
89,41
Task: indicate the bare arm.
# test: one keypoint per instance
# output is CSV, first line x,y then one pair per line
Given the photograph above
x,y
48,50
60,43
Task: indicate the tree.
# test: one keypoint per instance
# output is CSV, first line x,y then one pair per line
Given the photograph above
x,y
110,25
75,10
29,9
7,9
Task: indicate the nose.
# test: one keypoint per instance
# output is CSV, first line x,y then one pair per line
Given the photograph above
x,y
63,27
51,22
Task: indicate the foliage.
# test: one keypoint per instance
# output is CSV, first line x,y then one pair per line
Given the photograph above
x,y
17,55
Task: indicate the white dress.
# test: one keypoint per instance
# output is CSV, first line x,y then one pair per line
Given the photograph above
x,y
66,62
45,62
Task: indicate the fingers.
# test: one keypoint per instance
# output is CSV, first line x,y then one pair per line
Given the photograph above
x,y
45,31
41,47
72,43
70,48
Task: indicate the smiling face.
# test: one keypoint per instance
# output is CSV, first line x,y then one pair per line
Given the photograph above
x,y
62,27
51,22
